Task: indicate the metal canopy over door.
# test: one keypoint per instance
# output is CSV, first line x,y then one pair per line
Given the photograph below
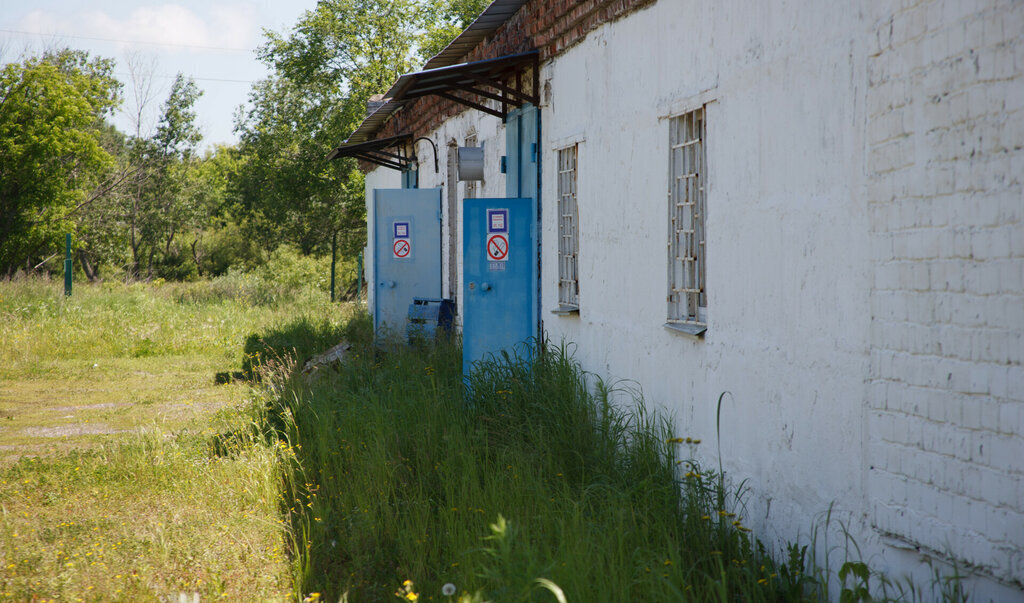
x,y
406,253
500,268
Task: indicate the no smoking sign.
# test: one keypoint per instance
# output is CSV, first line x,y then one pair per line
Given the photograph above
x,y
497,247
402,248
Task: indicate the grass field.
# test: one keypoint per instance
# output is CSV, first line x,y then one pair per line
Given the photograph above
x,y
160,441
116,480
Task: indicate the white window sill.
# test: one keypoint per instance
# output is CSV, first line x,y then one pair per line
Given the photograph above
x,y
693,329
565,310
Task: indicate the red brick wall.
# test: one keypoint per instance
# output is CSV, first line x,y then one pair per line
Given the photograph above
x,y
552,27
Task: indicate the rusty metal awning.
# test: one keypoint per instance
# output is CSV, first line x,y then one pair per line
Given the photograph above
x,y
373,122
493,17
374,151
484,78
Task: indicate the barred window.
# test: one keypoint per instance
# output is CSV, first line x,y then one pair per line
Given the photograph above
x,y
687,294
568,231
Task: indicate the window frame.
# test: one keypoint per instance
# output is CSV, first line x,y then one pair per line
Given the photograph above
x,y
567,193
686,307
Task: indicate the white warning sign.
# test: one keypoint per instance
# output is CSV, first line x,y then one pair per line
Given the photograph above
x,y
497,247
401,248
497,220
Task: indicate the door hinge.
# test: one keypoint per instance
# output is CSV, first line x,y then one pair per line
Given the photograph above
x,y
533,152
504,164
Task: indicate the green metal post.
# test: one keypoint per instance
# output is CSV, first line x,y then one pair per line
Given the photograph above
x,y
334,261
359,271
67,265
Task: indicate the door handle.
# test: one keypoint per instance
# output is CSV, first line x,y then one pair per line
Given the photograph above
x,y
485,286
390,284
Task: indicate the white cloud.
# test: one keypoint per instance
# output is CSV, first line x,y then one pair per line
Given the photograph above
x,y
237,26
166,24
39,21
215,25
204,23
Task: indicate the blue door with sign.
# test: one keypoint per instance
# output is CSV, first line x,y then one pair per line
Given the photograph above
x,y
406,253
499,260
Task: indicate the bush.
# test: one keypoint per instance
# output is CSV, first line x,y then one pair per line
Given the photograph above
x,y
176,266
229,247
294,271
233,286
286,277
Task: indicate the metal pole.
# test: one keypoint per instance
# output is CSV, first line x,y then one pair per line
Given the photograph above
x,y
359,271
334,261
67,265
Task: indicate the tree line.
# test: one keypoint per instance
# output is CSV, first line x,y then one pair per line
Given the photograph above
x,y
148,203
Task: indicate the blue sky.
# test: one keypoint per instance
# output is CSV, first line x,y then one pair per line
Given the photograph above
x,y
212,41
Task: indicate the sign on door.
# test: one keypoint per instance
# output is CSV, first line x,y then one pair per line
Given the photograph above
x,y
401,247
496,243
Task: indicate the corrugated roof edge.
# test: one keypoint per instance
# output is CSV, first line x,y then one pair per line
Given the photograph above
x,y
373,122
493,17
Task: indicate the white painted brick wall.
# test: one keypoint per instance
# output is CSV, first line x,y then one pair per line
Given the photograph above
x,y
945,135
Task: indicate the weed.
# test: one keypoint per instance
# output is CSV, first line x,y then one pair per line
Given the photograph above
x,y
525,482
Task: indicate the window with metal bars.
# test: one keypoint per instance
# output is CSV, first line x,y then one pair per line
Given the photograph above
x,y
687,292
568,231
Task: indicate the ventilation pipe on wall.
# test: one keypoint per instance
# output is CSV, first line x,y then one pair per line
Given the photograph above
x,y
432,145
471,163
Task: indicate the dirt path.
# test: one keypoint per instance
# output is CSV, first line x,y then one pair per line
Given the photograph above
x,y
73,404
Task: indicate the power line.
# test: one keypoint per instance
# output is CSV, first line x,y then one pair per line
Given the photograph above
x,y
204,79
34,33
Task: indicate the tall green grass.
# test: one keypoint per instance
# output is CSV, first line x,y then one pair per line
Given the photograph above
x,y
387,474
528,482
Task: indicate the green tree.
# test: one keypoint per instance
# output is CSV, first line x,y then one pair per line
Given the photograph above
x,y
347,50
158,205
324,70
216,241
289,192
52,159
99,224
176,186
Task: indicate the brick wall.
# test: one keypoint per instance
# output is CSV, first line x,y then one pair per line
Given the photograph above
x,y
550,27
945,163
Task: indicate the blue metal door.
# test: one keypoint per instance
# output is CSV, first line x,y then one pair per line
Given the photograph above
x,y
499,276
406,253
